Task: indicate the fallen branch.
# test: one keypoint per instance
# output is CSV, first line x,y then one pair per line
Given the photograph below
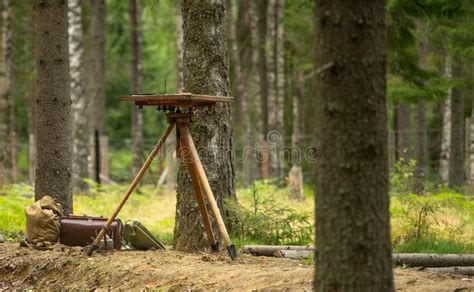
x,y
451,270
295,254
433,260
272,250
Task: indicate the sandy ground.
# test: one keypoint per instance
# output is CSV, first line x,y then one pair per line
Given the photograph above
x,y
69,268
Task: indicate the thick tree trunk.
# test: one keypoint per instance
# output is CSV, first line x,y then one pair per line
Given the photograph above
x,y
456,157
7,116
136,86
95,54
205,72
244,74
76,62
446,134
54,127
352,201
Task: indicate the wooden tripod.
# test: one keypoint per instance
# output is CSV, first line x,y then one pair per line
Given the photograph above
x,y
186,150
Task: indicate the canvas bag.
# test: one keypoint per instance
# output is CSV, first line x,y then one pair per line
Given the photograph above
x,y
42,221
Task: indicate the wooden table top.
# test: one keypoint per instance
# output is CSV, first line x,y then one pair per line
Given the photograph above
x,y
175,100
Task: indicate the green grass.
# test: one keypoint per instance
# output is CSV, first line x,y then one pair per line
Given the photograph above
x,y
448,229
433,245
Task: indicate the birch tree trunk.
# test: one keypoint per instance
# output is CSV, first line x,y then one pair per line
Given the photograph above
x,y
7,123
54,117
136,86
206,66
446,133
456,157
352,209
80,130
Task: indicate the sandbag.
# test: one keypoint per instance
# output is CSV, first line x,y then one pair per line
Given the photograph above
x,y
42,222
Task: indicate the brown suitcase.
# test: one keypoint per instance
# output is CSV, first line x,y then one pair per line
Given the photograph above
x,y
81,230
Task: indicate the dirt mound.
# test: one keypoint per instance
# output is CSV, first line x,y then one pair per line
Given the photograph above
x,y
69,268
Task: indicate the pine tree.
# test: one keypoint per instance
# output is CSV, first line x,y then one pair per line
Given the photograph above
x,y
54,116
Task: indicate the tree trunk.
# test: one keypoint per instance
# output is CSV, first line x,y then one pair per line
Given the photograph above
x,y
7,115
170,154
279,83
433,260
295,176
420,175
205,72
136,86
446,134
452,270
456,157
264,158
54,127
244,73
402,130
76,62
271,250
95,54
352,201
435,136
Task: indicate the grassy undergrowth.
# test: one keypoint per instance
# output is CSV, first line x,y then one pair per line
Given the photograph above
x,y
440,222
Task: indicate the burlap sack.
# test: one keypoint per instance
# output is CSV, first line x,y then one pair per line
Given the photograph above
x,y
42,221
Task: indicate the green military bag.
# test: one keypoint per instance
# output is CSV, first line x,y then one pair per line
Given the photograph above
x,y
136,235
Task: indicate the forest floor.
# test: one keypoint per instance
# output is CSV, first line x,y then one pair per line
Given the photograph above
x,y
68,268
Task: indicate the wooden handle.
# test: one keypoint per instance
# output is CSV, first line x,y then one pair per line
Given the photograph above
x,y
134,183
197,165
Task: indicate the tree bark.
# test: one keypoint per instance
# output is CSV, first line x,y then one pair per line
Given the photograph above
x,y
456,157
136,86
80,131
54,126
352,201
7,102
244,74
206,72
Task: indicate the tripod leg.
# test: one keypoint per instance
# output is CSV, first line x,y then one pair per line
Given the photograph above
x,y
130,189
202,206
195,162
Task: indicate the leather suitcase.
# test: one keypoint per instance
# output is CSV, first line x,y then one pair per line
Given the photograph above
x,y
81,230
